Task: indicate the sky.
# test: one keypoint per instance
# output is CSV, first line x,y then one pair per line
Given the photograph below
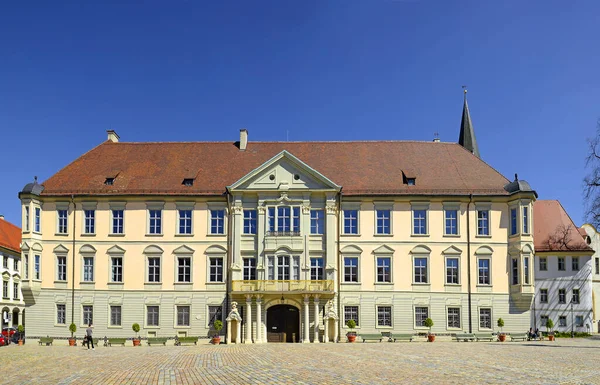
x,y
301,71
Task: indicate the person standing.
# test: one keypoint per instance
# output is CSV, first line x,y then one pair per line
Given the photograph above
x,y
88,333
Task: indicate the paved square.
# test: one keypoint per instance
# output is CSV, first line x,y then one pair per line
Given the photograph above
x,y
564,361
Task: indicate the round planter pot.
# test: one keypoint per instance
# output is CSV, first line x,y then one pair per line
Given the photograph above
x,y
351,337
71,341
431,338
136,342
216,340
550,338
20,342
501,337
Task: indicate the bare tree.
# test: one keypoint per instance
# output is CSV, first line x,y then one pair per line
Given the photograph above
x,y
591,181
561,239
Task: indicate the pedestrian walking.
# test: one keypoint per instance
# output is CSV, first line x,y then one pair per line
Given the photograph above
x,y
88,334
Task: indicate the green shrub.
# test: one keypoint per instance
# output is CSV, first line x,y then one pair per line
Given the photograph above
x,y
500,324
429,323
549,325
351,324
136,328
20,329
72,329
568,334
218,325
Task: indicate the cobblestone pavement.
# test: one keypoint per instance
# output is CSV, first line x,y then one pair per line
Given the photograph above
x,y
561,362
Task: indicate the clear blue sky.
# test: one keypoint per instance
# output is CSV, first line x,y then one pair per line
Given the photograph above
x,y
320,70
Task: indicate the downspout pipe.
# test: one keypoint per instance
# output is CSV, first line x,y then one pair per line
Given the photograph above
x,y
229,255
73,263
469,262
340,266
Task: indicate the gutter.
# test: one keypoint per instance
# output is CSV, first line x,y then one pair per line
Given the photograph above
x,y
340,266
469,262
229,258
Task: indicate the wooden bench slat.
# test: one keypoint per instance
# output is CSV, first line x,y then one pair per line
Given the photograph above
x,y
186,340
401,337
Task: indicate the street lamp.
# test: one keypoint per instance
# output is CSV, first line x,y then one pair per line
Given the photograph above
x,y
572,320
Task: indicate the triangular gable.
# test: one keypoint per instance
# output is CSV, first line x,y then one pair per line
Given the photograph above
x,y
60,249
284,171
452,250
384,249
183,249
115,250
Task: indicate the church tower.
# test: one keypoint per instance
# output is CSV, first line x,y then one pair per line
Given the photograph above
x,y
467,133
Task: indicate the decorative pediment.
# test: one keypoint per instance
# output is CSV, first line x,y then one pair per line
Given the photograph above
x,y
284,172
37,247
351,249
183,249
153,249
5,275
383,249
60,249
420,249
452,250
216,249
87,249
484,250
116,250
527,249
25,246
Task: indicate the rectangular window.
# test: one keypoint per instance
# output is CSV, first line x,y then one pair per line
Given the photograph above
x,y
350,221
271,219
383,221
216,270
61,314
283,267
543,264
420,222
154,269
597,261
561,264
526,270
26,218
317,272
217,221
249,221
117,221
543,320
155,225
421,314
61,264
88,269
420,270
562,321
384,316
562,296
515,271
184,269
89,222
88,314
15,290
152,317
454,317
384,269
296,219
16,265
26,267
183,316
38,219
575,263
351,313
485,318
452,271
483,222
214,313
116,269
525,220
317,222
284,220
62,221
5,290
5,262
451,219
37,267
185,221
543,295
575,296
115,316
350,269
579,321
513,221
249,269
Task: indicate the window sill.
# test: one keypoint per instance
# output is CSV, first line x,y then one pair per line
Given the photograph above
x,y
114,327
351,283
151,327
248,235
350,235
182,283
483,236
154,235
383,235
512,236
215,283
452,235
37,233
115,283
316,235
61,234
484,285
216,235
421,284
452,284
420,235
87,282
60,281
385,283
88,235
184,235
153,283
182,327
384,327
116,235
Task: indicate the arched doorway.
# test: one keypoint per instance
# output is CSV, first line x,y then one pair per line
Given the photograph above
x,y
283,324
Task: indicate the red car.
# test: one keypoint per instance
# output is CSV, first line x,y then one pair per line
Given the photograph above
x,y
8,332
3,341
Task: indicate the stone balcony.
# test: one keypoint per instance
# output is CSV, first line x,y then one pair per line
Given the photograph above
x,y
276,286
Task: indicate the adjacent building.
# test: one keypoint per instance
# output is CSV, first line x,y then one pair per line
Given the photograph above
x,y
563,271
296,237
593,240
12,305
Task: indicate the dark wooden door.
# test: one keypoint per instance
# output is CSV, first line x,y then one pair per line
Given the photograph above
x,y
283,324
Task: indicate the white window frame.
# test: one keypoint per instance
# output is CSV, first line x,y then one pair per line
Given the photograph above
x,y
491,317
146,318
427,267
160,268
480,206
448,206
351,207
545,266
83,266
419,206
542,292
85,207
178,258
110,316
58,278
222,267
247,230
527,270
113,224
319,226
573,259
85,323
576,289
26,217
346,319
391,316
446,258
56,319
391,268
157,229
564,301
526,221
189,316
273,267
564,260
513,228
211,210
60,207
489,259
185,206
251,268
317,268
37,266
562,324
380,207
357,257
415,316
516,274
37,219
111,265
448,327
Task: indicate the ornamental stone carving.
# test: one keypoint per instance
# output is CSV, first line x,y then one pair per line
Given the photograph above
x,y
331,209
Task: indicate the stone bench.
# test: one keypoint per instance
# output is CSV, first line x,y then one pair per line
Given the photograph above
x,y
371,337
464,337
157,341
46,340
401,337
518,336
186,340
484,337
116,341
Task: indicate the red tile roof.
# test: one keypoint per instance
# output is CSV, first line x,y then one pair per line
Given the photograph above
x,y
10,236
361,168
554,230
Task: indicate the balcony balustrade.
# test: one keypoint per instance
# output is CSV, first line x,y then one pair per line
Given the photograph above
x,y
283,233
279,286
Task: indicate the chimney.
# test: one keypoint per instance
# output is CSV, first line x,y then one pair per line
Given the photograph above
x,y
243,139
112,136
1,217
436,137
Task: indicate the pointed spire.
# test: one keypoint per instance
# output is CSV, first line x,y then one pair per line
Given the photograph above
x,y
467,133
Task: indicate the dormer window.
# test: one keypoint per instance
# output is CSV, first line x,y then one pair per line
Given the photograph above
x,y
188,182
109,181
410,181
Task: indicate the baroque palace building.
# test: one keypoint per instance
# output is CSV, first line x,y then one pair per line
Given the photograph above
x,y
296,237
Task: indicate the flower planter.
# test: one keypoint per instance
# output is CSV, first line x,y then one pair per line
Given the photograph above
x,y
20,342
430,338
136,342
501,337
216,340
71,341
351,337
550,338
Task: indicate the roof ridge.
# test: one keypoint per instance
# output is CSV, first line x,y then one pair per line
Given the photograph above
x,y
283,142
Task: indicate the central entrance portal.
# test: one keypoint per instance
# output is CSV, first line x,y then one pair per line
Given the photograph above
x,y
283,324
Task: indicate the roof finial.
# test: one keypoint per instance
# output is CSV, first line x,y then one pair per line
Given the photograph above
x,y
35,179
516,177
465,91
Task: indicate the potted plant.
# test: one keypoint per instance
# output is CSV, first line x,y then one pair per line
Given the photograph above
x,y
549,327
217,325
429,324
72,329
136,328
501,336
351,335
20,330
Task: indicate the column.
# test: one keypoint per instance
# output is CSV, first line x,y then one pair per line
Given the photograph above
x,y
326,331
306,321
316,301
335,331
228,337
258,319
248,339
